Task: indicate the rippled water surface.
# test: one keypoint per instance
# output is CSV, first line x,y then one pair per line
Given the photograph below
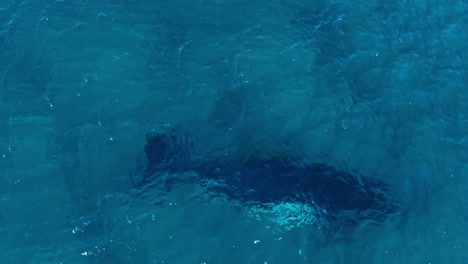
x,y
371,88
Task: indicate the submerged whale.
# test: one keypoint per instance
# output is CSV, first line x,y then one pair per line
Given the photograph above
x,y
264,181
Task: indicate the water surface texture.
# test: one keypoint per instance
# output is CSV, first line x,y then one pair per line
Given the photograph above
x,y
369,93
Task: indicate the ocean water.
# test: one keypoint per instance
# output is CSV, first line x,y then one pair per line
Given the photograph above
x,y
373,87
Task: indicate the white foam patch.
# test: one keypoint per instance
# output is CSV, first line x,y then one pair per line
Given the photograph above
x,y
287,215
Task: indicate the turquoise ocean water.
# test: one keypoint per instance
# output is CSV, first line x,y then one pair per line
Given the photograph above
x,y
376,87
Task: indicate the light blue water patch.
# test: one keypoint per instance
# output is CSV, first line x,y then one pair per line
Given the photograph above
x,y
369,87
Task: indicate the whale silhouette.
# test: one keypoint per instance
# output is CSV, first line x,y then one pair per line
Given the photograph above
x,y
263,181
